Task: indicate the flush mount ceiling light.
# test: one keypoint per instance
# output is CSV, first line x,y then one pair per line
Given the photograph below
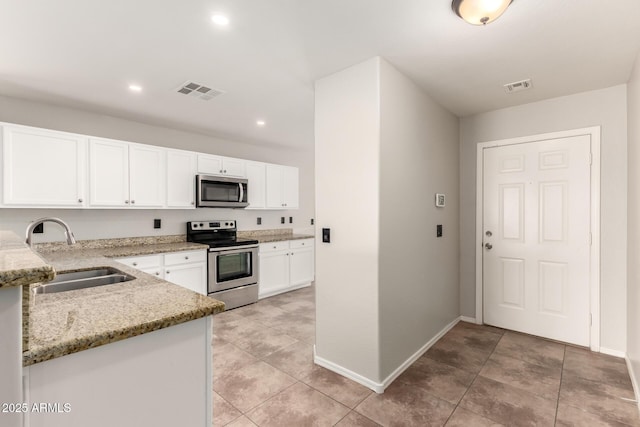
x,y
220,20
480,12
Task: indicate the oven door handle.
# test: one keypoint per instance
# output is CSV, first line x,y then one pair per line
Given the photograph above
x,y
241,192
232,249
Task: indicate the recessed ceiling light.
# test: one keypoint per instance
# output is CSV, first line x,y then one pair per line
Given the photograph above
x,y
261,122
135,88
219,19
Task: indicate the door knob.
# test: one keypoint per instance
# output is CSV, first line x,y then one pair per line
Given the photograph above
x,y
488,246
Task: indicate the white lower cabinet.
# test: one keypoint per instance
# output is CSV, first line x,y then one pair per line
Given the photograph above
x,y
161,378
285,266
187,269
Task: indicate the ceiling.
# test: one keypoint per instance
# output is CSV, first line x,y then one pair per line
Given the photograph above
x,y
85,54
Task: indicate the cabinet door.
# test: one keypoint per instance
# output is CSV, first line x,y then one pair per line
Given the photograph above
x,y
290,184
256,175
190,276
181,173
274,273
43,168
157,272
146,176
301,266
210,165
274,186
233,167
108,173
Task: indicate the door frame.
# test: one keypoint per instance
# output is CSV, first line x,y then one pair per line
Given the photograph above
x,y
594,267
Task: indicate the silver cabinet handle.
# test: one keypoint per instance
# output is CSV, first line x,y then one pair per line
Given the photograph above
x,y
220,170
193,203
157,273
79,200
135,264
488,246
186,257
225,171
126,201
168,272
133,201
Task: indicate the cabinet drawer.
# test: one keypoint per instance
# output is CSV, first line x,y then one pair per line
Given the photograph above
x,y
303,243
185,257
274,246
142,262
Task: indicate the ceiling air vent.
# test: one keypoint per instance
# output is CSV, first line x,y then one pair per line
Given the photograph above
x,y
517,86
198,91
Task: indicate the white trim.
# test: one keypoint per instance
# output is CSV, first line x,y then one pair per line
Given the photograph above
x,y
594,279
634,382
468,319
376,386
615,353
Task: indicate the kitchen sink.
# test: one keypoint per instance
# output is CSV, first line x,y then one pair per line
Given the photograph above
x,y
83,279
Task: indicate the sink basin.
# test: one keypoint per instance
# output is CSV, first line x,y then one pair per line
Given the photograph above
x,y
83,279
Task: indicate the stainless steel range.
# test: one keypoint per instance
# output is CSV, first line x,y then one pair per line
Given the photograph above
x,y
233,263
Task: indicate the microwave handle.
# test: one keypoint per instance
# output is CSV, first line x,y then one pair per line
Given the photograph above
x,y
241,192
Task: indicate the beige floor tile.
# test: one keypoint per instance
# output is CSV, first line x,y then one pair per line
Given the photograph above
x,y
452,351
299,405
223,411
531,349
337,387
238,329
536,379
443,381
295,360
354,419
568,416
508,405
241,422
228,358
405,406
263,343
251,385
597,367
464,418
599,398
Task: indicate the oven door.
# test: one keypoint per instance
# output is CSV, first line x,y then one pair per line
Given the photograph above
x,y
220,192
232,267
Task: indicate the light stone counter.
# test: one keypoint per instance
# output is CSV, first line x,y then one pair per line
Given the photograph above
x,y
275,235
68,322
19,265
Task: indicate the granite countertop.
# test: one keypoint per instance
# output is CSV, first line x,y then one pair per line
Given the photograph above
x,y
275,235
68,322
19,265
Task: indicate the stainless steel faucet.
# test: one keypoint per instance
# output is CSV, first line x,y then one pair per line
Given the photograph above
x,y
71,240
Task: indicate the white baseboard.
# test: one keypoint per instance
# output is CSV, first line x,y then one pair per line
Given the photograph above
x,y
376,386
468,319
616,353
634,381
281,291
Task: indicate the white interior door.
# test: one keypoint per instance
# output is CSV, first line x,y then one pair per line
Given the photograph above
x,y
536,237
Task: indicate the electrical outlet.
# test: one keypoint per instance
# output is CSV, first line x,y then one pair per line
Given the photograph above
x,y
312,221
259,220
439,230
326,235
157,223
281,220
290,220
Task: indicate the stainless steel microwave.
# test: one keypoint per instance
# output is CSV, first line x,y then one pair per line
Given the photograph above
x,y
221,192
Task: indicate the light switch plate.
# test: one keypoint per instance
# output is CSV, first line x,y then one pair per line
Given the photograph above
x,y
440,199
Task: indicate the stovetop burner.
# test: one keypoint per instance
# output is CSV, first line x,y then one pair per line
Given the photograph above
x,y
216,234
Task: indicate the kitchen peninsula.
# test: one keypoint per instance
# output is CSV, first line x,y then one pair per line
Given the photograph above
x,y
134,353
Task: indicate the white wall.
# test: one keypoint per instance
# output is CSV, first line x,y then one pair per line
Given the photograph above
x,y
419,292
606,108
347,154
633,232
94,224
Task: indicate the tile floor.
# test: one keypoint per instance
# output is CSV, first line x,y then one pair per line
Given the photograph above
x,y
474,376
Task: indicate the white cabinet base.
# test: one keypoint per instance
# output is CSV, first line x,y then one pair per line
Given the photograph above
x,y
278,291
162,379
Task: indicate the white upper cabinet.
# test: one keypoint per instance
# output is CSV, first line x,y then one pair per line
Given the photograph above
x,y
181,172
123,174
256,175
281,187
217,165
147,176
43,168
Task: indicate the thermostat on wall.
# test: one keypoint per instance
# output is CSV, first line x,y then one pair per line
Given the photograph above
x,y
439,200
